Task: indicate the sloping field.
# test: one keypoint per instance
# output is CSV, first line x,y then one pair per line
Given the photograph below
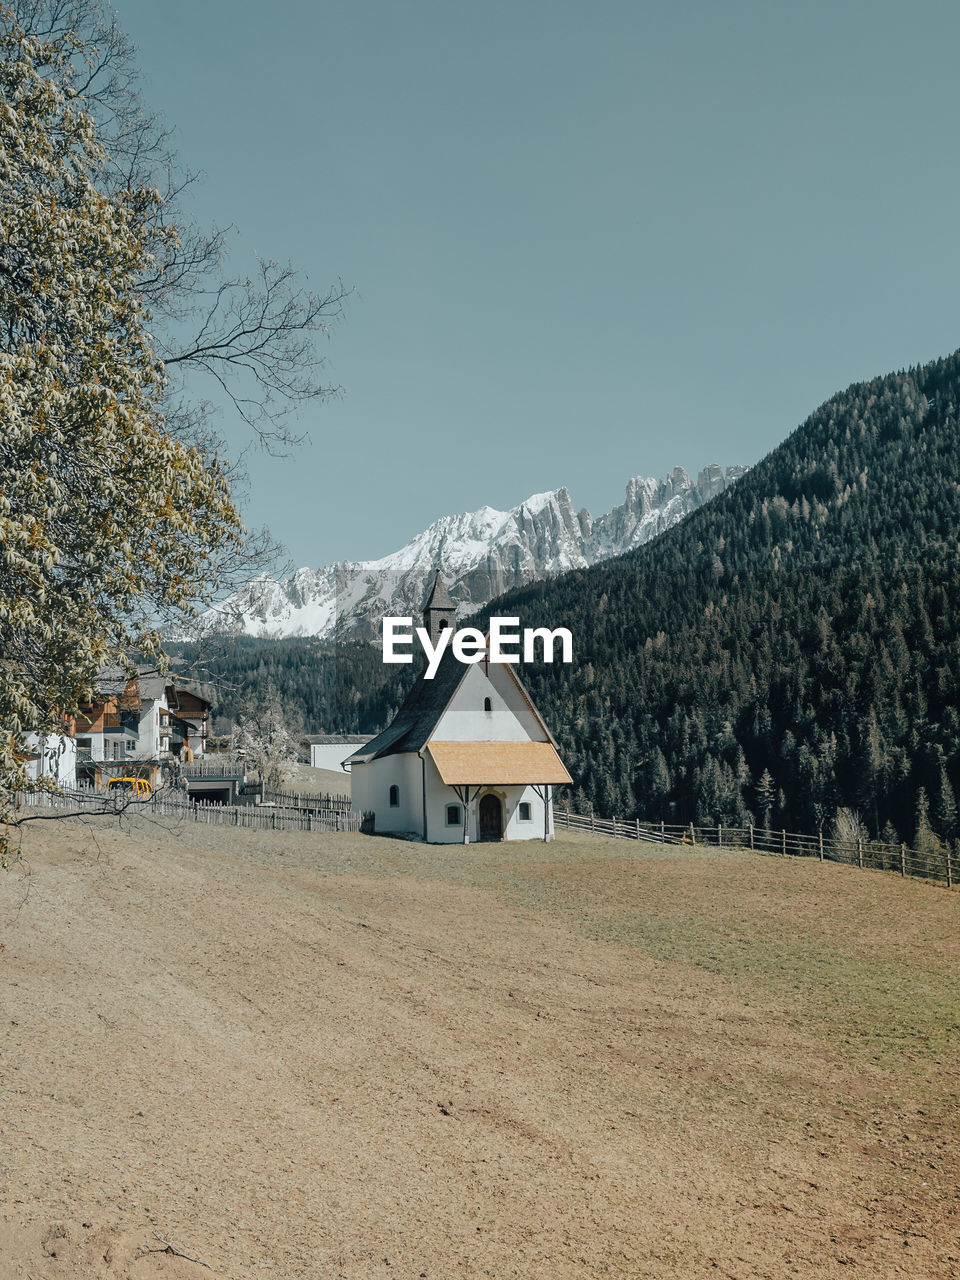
x,y
341,1056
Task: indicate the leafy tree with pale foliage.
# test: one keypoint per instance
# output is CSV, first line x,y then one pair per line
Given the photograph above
x,y
107,519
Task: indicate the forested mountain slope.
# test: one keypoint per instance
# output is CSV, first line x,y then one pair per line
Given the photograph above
x,y
790,648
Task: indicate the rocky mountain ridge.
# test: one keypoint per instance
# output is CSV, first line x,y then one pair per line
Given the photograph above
x,y
482,554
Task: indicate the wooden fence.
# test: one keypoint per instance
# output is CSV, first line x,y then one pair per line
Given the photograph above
x,y
214,766
937,864
314,803
85,802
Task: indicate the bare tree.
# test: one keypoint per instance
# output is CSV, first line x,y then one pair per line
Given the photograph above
x,y
848,826
264,740
253,335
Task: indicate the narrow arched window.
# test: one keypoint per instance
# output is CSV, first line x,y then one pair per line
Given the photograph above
x,y
394,797
487,704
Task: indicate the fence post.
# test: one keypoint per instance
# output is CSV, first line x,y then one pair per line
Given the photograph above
x,y
638,828
693,835
820,842
903,859
860,851
949,869
591,822
719,835
663,832
751,835
783,842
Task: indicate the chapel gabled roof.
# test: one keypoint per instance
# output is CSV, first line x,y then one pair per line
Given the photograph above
x,y
420,713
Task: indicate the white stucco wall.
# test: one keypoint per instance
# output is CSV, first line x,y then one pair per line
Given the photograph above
x,y
370,791
148,736
370,788
508,720
330,755
57,758
96,744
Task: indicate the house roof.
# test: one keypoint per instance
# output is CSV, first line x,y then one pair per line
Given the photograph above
x,y
112,681
419,714
337,739
187,701
503,763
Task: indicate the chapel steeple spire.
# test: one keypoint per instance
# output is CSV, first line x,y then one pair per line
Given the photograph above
x,y
439,610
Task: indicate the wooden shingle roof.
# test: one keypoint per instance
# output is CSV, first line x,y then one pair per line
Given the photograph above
x,y
497,763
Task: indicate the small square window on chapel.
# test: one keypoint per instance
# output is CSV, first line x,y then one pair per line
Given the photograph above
x,y
523,811
453,815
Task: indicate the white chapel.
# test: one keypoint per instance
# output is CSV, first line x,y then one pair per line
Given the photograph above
x,y
466,758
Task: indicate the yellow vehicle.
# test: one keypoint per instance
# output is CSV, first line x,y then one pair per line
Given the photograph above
x,y
137,788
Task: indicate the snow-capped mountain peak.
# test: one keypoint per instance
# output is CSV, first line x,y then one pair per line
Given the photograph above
x,y
482,553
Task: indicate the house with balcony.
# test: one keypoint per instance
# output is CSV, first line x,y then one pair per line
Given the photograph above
x,y
136,724
189,720
108,728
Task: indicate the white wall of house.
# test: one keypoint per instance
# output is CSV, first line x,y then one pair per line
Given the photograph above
x,y
92,742
56,758
370,791
331,755
148,737
115,745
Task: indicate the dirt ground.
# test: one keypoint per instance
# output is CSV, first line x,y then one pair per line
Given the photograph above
x,y
304,778
291,1055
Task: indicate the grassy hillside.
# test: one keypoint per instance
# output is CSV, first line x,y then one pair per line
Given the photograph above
x,y
332,1055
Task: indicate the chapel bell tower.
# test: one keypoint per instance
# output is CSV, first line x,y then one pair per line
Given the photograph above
x,y
439,611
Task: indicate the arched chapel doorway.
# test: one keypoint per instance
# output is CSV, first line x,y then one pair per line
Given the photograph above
x,y
491,817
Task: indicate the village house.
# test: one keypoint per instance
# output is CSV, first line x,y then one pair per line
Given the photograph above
x,y
330,750
467,757
137,723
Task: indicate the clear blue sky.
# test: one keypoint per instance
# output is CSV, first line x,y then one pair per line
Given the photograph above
x,y
586,241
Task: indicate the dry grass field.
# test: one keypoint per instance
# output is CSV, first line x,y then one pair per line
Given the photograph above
x,y
341,1056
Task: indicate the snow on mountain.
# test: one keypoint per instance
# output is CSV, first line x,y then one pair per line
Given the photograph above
x,y
482,554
